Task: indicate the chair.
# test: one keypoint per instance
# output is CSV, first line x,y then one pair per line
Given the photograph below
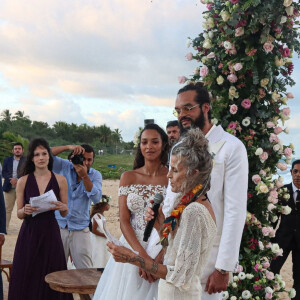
x,y
5,264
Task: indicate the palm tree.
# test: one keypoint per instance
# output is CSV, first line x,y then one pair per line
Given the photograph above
x,y
6,115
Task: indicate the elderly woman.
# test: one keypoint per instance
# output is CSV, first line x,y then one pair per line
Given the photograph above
x,y
190,230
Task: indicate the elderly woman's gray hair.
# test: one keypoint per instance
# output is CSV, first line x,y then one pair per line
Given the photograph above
x,y
193,153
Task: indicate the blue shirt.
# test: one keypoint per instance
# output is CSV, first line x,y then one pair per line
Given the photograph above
x,y
79,200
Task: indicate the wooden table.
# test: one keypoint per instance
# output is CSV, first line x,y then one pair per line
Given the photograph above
x,y
80,281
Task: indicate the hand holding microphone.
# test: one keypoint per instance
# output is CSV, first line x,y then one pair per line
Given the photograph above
x,y
158,198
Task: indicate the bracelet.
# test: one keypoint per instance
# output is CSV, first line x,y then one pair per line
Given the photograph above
x,y
223,272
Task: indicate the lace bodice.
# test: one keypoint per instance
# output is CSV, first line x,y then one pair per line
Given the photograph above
x,y
138,199
189,249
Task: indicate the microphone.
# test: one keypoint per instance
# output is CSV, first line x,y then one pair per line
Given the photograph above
x,y
158,198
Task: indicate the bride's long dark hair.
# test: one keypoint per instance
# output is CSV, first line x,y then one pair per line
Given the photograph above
x,y
139,160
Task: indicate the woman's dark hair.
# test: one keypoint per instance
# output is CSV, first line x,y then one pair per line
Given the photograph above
x,y
29,166
139,160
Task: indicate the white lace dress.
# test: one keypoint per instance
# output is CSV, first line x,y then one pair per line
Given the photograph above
x,y
187,254
122,281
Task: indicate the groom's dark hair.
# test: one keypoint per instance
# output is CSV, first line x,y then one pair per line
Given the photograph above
x,y
202,95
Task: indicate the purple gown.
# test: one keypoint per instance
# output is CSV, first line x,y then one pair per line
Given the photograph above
x,y
39,251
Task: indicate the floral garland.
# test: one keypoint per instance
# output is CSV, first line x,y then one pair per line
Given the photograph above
x,y
105,199
171,222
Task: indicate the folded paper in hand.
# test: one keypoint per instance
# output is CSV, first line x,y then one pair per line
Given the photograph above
x,y
101,221
42,202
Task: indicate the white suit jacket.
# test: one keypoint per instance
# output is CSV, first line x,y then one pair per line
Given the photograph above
x,y
228,196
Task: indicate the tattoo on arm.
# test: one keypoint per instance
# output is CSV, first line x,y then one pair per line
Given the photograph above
x,y
142,263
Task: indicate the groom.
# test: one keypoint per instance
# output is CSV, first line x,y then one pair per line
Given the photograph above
x,y
229,183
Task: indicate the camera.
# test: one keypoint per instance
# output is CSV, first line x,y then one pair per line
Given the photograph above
x,y
77,159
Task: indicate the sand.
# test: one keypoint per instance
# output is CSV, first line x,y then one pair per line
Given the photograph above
x,y
110,187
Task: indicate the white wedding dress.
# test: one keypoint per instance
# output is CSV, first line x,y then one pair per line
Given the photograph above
x,y
122,281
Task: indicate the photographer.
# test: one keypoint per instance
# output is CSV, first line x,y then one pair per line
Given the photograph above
x,y
84,187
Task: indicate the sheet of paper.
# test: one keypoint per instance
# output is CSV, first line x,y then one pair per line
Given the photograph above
x,y
42,202
102,224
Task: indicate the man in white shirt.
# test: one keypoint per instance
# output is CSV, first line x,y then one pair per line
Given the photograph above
x,y
229,183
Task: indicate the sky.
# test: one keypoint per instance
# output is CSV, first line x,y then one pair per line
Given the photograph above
x,y
113,62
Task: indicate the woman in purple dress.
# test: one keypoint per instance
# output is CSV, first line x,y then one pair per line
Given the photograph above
x,y
39,250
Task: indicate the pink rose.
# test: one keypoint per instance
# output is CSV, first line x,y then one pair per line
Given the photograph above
x,y
256,178
268,47
238,67
266,265
273,138
264,156
270,124
272,200
209,5
290,95
182,79
232,78
189,56
263,173
257,268
246,103
265,231
286,111
273,194
269,296
277,130
272,232
234,1
232,125
279,184
271,206
211,55
286,52
288,151
239,31
269,245
204,71
239,269
233,109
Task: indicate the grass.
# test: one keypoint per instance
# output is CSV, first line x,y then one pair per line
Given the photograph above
x,y
122,163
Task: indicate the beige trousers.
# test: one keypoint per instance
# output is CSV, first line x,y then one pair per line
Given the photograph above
x,y
10,199
78,244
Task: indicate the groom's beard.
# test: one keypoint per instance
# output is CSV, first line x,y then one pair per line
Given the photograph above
x,y
199,122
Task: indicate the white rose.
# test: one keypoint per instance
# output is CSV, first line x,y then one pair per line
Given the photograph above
x,y
246,122
246,294
289,10
276,147
249,276
287,3
188,43
261,245
286,196
207,44
292,293
286,210
234,285
220,80
227,45
269,290
235,278
275,248
210,34
225,15
233,298
225,295
259,151
205,35
283,19
263,189
241,275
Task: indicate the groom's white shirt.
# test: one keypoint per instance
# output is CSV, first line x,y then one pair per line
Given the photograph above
x,y
228,196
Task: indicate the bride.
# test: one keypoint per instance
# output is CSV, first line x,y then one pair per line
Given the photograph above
x,y
137,189
190,230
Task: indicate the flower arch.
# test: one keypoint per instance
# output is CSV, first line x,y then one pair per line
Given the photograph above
x,y
245,53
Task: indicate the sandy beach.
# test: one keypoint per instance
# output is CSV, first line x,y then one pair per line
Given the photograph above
x,y
110,187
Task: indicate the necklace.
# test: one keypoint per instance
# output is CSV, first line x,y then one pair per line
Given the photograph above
x,y
171,222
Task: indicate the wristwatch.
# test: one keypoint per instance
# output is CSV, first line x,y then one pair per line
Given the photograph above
x,y
223,272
